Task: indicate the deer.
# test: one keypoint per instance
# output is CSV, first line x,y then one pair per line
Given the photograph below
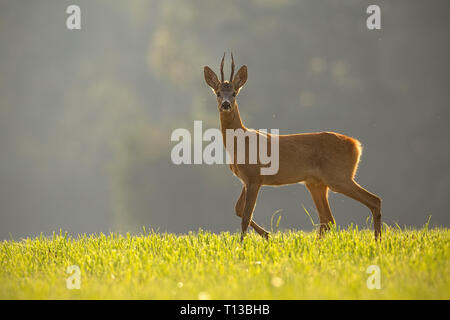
x,y
322,161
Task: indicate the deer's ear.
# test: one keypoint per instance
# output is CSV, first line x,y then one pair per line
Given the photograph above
x,y
240,78
211,78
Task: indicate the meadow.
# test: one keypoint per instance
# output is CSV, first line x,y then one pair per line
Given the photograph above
x,y
414,264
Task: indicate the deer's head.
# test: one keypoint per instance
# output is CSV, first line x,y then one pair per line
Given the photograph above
x,y
226,91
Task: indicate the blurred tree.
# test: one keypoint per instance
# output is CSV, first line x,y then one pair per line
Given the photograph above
x,y
86,116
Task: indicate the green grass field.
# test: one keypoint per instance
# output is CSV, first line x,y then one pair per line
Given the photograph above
x,y
414,264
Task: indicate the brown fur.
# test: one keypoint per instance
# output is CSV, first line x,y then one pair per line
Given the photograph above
x,y
322,161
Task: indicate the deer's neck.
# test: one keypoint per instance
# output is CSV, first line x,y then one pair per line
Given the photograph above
x,y
230,120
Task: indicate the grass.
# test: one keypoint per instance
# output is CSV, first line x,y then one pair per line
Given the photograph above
x,y
414,264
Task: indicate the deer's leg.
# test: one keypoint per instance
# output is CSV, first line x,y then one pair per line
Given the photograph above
x,y
373,202
250,201
240,210
319,193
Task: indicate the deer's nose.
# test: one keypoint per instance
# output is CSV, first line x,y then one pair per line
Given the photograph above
x,y
226,105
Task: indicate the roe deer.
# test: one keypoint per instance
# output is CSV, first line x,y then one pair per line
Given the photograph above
x,y
322,161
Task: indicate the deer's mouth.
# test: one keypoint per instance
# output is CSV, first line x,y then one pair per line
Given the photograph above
x,y
225,106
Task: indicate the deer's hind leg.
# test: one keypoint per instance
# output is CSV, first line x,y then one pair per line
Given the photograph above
x,y
319,193
353,190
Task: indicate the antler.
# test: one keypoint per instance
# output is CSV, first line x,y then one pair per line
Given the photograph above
x,y
221,67
232,67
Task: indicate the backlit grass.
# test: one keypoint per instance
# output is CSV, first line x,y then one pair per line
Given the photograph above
x,y
415,264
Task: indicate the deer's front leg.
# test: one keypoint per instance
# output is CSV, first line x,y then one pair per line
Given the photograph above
x,y
250,201
239,212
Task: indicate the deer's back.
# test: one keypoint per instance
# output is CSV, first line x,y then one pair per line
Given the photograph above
x,y
321,155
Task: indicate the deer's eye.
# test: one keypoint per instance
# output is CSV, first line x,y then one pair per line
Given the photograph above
x,y
234,94
218,94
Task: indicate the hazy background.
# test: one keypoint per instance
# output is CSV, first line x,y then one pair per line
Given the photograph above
x,y
86,116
